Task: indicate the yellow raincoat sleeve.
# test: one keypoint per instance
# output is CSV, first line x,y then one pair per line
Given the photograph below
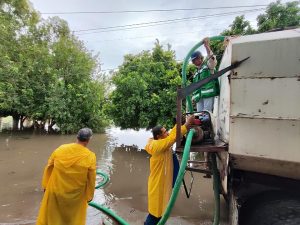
x,y
162,145
90,188
47,171
161,172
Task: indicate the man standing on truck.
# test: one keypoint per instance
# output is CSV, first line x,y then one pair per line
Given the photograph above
x,y
161,169
204,96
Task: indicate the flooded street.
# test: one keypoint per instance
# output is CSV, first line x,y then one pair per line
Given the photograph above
x,y
24,155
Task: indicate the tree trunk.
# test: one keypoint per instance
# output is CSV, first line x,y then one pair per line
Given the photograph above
x,y
22,119
15,122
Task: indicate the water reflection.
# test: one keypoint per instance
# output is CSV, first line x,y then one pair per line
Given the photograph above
x,y
128,137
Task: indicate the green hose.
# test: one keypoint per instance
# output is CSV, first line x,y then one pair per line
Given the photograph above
x,y
104,181
176,188
216,176
102,208
186,154
185,64
185,157
109,212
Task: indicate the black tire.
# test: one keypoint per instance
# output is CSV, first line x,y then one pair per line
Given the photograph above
x,y
271,208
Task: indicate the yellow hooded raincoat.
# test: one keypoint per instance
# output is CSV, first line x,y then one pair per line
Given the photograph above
x,y
69,181
161,172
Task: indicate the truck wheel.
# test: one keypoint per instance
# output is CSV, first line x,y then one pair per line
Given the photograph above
x,y
272,208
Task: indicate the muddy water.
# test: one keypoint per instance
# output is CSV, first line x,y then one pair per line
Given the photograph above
x,y
24,155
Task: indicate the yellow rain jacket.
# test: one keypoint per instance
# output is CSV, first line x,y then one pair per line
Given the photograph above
x,y
69,181
161,172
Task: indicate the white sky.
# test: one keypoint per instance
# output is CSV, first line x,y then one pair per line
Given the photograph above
x,y
112,46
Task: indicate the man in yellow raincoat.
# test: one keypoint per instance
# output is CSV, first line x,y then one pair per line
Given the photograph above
x,y
69,183
161,169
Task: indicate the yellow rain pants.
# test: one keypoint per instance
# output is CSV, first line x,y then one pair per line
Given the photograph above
x,y
161,172
69,183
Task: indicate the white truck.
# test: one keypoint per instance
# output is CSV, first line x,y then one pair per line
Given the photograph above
x,y
258,115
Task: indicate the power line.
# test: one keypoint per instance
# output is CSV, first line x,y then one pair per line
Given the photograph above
x,y
170,20
163,36
156,23
153,10
133,66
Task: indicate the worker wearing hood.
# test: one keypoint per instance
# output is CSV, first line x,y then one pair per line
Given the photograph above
x,y
161,169
69,183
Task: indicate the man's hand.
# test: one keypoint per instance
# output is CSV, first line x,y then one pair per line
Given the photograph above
x,y
207,47
189,121
206,42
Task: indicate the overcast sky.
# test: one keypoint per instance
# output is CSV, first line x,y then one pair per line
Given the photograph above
x,y
181,34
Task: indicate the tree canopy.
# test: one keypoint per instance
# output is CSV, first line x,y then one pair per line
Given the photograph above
x,y
145,89
239,26
276,16
46,72
279,16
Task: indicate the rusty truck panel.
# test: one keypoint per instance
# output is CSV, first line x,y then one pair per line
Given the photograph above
x,y
258,111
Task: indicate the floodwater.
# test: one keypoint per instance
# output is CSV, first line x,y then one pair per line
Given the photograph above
x,y
24,155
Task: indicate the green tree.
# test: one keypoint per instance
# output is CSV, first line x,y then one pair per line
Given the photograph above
x,y
239,26
46,73
76,98
279,16
145,89
16,19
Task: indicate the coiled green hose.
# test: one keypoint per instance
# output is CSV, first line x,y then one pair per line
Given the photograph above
x,y
104,181
102,208
109,212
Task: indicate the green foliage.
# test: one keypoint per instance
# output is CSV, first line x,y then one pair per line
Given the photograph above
x,y
74,99
279,16
15,94
145,90
46,74
240,26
